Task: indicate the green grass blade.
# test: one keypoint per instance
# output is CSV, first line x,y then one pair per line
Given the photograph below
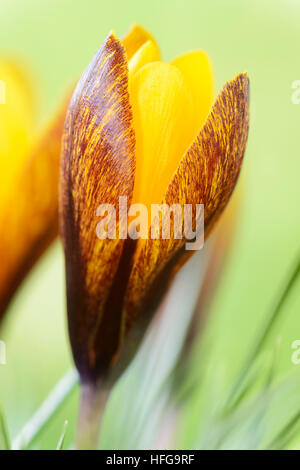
x,y
286,434
60,444
4,434
47,411
266,331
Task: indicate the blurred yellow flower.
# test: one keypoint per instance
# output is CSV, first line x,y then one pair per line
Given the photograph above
x,y
29,168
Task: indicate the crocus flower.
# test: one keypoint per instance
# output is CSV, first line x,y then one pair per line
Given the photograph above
x,y
148,130
29,179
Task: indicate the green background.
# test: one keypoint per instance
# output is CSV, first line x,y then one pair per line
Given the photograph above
x,y
57,38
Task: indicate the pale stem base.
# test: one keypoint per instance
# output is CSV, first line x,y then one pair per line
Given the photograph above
x,y
92,406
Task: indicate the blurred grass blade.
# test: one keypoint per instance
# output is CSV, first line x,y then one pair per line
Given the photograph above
x,y
149,373
286,434
274,363
47,411
60,444
265,391
252,379
4,435
266,331
243,391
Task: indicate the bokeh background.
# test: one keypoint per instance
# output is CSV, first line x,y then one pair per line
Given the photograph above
x,y
56,39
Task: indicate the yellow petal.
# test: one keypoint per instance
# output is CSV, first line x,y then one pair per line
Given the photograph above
x,y
163,120
16,122
199,79
29,211
135,38
97,168
207,175
148,52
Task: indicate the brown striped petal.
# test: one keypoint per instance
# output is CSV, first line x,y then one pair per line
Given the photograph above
x,y
97,167
207,174
29,213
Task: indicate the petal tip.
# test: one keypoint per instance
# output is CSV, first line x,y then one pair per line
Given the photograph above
x,y
243,79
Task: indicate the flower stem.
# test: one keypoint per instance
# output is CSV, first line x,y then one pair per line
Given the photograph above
x,y
92,405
